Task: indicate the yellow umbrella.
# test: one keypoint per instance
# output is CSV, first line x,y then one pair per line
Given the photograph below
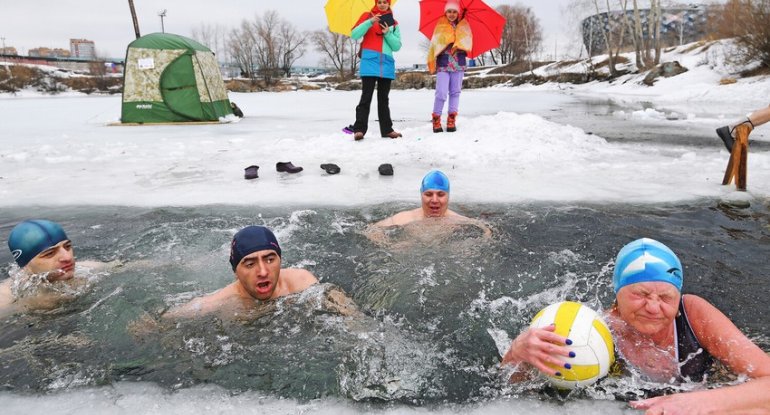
x,y
343,14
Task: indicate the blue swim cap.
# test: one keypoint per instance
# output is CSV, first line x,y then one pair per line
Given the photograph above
x,y
32,237
435,180
646,260
249,240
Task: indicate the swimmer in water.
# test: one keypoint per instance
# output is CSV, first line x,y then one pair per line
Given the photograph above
x,y
41,249
255,257
434,191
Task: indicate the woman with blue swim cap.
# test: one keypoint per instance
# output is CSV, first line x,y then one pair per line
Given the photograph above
x,y
666,335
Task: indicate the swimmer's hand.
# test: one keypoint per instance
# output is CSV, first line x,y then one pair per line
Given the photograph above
x,y
144,326
57,275
539,348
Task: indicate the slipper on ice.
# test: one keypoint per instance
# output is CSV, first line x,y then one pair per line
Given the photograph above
x,y
251,172
331,168
385,169
287,167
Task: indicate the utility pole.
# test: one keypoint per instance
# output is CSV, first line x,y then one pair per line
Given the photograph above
x,y
133,16
3,38
162,14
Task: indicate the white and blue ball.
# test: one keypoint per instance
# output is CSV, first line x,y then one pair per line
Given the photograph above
x,y
591,342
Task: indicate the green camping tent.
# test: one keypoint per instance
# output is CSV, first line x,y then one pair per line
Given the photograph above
x,y
170,78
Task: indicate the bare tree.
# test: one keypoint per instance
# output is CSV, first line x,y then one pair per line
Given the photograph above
x,y
522,35
267,44
353,57
241,45
614,33
746,21
292,46
214,37
339,52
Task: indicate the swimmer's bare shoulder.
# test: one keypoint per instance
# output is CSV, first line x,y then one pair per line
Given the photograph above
x,y
401,218
298,279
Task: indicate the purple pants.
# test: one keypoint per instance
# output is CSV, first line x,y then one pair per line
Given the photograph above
x,y
448,83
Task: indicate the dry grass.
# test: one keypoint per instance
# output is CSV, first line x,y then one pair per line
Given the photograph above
x,y
517,68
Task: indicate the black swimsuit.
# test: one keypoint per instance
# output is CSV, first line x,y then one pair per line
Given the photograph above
x,y
694,360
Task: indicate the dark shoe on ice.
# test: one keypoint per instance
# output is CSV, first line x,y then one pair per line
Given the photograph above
x,y
348,129
727,138
385,169
287,167
393,134
331,168
251,172
358,136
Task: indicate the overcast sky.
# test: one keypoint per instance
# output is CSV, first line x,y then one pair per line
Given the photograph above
x,y
27,24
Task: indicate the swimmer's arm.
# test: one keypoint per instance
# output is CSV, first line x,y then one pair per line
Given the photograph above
x,y
7,307
194,308
747,398
476,222
726,342
376,233
115,264
483,226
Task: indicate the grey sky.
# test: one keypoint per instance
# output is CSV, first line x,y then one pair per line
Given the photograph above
x,y
34,23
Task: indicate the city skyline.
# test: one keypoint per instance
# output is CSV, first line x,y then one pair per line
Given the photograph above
x,y
112,32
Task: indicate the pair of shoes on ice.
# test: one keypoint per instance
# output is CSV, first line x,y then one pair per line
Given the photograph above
x,y
252,172
358,136
451,122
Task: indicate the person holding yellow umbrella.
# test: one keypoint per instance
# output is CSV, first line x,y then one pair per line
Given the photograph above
x,y
343,15
381,37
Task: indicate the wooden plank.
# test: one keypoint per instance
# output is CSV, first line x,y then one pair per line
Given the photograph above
x,y
729,170
742,134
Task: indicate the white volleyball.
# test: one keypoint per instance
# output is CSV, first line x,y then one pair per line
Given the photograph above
x,y
591,342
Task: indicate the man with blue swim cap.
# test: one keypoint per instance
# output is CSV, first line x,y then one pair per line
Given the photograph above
x,y
39,247
434,191
665,335
255,258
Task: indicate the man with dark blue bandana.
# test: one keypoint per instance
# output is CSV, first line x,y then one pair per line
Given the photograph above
x,y
255,257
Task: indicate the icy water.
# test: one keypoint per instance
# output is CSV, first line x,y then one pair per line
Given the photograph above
x,y
434,309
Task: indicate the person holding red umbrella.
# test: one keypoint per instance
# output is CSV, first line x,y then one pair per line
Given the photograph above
x,y
382,37
447,58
